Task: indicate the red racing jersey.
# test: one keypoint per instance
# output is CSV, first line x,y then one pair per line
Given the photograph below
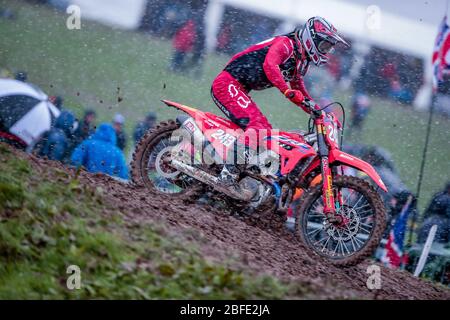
x,y
270,63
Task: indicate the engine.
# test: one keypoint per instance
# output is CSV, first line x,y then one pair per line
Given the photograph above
x,y
261,191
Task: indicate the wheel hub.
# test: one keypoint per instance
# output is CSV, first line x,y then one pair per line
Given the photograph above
x,y
162,165
346,230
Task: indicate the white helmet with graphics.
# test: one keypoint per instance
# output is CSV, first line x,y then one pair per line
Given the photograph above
x,y
318,38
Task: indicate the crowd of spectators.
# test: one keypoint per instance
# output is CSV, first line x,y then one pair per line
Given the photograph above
x,y
96,148
99,149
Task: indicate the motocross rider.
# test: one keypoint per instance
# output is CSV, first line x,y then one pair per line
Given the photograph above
x,y
282,62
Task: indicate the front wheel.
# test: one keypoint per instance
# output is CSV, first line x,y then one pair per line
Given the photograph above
x,y
348,243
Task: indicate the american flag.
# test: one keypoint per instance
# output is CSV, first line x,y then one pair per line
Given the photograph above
x,y
393,251
441,53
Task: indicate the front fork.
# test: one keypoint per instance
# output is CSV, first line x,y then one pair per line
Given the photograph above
x,y
327,177
327,187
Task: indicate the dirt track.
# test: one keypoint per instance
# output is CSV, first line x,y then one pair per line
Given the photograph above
x,y
223,237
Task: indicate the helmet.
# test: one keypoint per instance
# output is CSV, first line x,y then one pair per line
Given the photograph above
x,y
318,38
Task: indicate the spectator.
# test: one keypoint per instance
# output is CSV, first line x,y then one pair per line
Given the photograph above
x,y
57,145
438,212
400,93
101,154
21,76
183,44
360,110
389,70
118,123
151,19
144,126
224,38
57,101
86,127
189,39
198,8
174,15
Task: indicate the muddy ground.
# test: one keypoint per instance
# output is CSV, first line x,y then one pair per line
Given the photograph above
x,y
222,237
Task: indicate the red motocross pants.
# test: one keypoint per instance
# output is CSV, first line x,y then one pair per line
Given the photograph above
x,y
232,98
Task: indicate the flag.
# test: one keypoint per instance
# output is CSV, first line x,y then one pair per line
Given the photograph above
x,y
392,255
441,53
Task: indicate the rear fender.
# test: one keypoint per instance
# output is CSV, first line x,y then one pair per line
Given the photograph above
x,y
190,111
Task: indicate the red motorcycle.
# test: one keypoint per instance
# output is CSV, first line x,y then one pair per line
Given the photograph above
x,y
339,217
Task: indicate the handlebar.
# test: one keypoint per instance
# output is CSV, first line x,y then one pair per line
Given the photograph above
x,y
309,104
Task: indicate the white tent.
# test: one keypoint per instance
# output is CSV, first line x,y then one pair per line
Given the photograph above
x,y
406,26
125,14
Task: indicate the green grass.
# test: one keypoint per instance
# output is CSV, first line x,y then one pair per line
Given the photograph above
x,y
88,66
49,221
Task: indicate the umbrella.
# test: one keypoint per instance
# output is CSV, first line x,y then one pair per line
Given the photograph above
x,y
25,111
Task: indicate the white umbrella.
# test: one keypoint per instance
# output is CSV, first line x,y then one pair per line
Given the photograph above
x,y
25,110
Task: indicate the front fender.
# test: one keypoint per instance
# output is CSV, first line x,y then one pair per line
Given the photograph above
x,y
354,162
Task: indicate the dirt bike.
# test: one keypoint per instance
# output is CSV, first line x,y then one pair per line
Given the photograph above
x,y
339,217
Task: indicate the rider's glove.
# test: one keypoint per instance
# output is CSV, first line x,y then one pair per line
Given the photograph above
x,y
312,107
296,96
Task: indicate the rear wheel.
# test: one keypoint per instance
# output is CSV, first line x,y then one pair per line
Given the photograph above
x,y
350,242
150,167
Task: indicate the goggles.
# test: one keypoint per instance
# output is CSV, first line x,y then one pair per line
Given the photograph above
x,y
325,47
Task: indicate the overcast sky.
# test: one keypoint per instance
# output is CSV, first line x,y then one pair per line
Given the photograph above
x,y
430,11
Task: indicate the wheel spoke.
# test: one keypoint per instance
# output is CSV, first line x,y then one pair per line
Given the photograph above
x,y
336,248
348,251
325,244
352,241
359,240
348,196
362,225
314,230
359,199
319,241
342,243
363,215
360,207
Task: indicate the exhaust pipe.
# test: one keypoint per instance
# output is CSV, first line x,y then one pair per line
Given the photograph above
x,y
234,191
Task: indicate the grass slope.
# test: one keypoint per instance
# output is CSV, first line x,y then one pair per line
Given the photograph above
x,y
49,221
96,65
